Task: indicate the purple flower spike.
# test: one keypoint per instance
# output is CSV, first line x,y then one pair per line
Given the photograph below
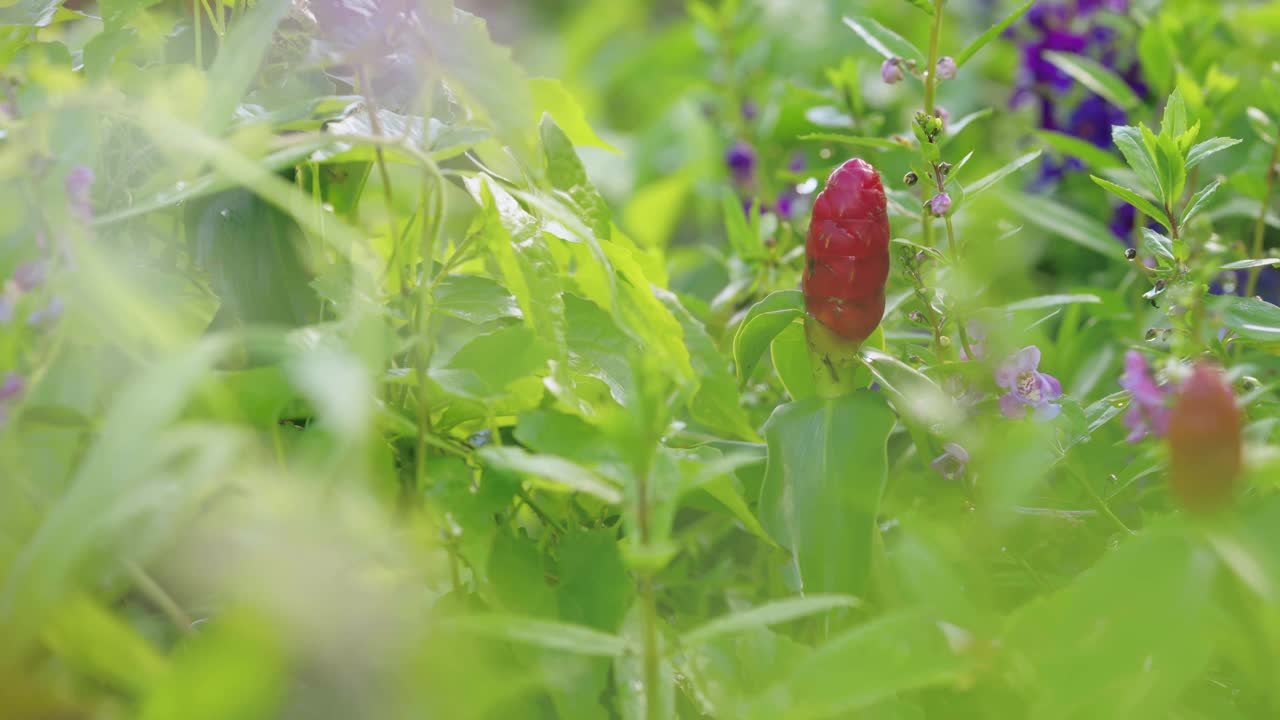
x,y
1147,413
950,464
940,204
946,67
741,159
891,71
1027,386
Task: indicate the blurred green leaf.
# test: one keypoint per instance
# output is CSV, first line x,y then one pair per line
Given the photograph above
x,y
557,473
869,143
1047,301
1251,318
551,97
1203,150
774,613
883,40
1066,222
1087,152
1096,77
761,325
790,353
1009,168
566,174
1241,265
239,58
992,33
541,633
827,469
1133,199
716,402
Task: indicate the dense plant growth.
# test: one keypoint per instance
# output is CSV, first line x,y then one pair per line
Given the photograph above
x,y
775,360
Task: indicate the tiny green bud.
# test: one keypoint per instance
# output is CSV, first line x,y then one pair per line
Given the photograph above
x,y
944,342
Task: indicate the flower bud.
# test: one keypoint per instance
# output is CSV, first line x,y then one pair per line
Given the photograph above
x,y
944,342
946,67
939,204
1130,254
916,316
944,168
891,71
1204,441
910,178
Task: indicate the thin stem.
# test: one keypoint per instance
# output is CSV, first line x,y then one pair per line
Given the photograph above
x,y
1097,499
153,591
197,17
930,72
366,89
1260,226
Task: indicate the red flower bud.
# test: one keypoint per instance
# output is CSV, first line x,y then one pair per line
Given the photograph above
x,y
1204,441
847,253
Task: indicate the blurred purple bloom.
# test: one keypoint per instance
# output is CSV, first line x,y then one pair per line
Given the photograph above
x,y
1027,386
12,387
891,71
47,314
977,333
946,67
749,109
741,159
951,463
1147,411
78,184
797,163
785,205
8,301
940,204
29,275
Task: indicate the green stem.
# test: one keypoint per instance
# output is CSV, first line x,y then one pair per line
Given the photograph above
x,y
1260,226
930,72
366,89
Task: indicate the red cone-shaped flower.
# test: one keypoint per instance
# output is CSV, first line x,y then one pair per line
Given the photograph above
x,y
1204,441
847,253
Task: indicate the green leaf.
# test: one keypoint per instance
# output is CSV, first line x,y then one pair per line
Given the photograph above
x,y
1158,245
871,143
992,33
958,126
1014,165
1087,152
546,634
774,613
1251,318
29,13
1173,168
924,6
826,471
1097,78
475,299
557,472
1133,198
1130,142
1208,147
1245,264
1158,54
1198,200
550,97
595,588
1048,301
238,61
791,359
566,174
896,653
1103,646
761,325
743,238
1173,122
1065,222
716,402
883,40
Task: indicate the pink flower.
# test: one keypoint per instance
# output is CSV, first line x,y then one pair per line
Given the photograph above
x,y
1147,413
1027,386
940,204
946,67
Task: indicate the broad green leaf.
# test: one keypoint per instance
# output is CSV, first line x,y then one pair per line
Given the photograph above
x,y
1065,222
826,471
774,613
551,97
1158,245
955,128
1133,198
1158,54
870,143
1087,152
924,6
483,75
653,210
992,33
546,634
1105,646
716,402
557,472
475,299
30,13
1172,166
790,354
238,61
566,174
1198,200
484,368
93,640
883,40
1203,150
1251,318
761,325
1130,142
1048,301
1262,124
987,181
1245,264
899,652
1173,122
1096,77
636,694
595,588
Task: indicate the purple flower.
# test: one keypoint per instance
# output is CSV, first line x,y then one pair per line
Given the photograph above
x,y
78,184
946,67
785,204
12,387
1027,386
940,204
797,163
749,109
741,159
29,275
1147,411
950,464
891,71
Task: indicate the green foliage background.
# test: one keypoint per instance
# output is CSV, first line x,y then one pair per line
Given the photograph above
x,y
402,374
